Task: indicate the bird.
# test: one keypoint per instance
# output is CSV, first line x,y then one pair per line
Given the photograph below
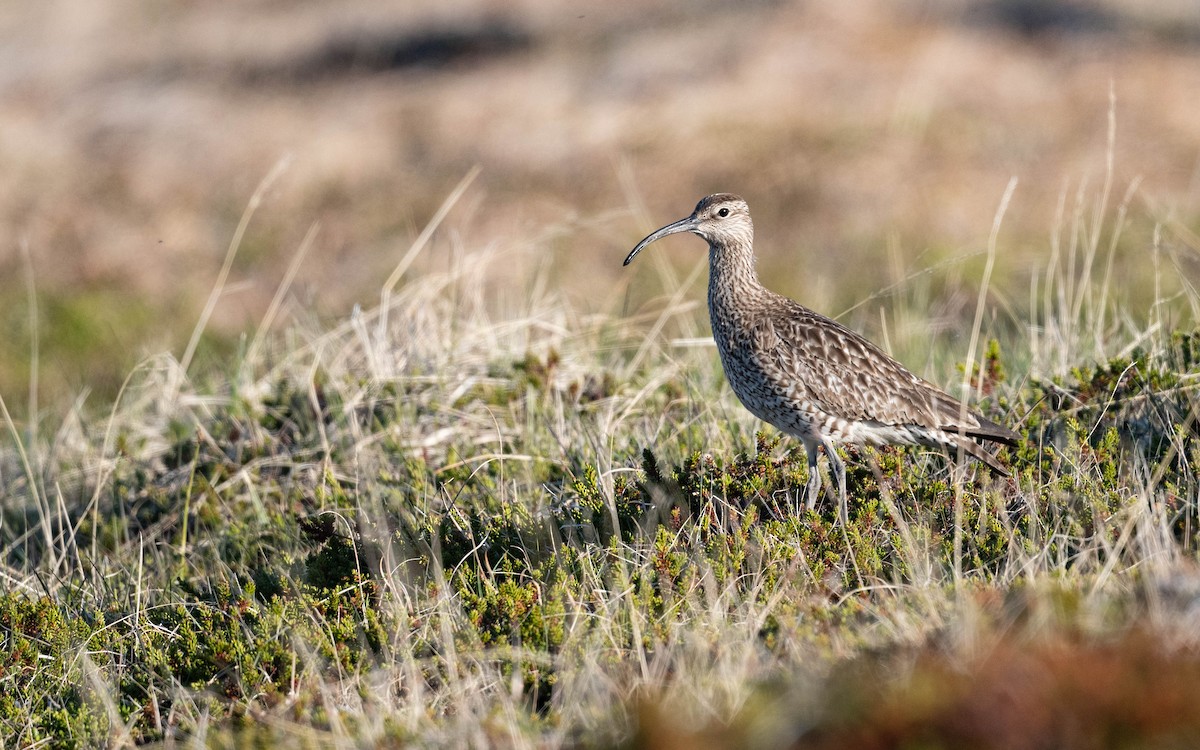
x,y
810,376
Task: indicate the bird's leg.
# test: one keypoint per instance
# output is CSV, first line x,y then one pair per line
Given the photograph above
x,y
813,490
839,475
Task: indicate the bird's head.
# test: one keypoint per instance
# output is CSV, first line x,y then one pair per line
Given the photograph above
x,y
722,219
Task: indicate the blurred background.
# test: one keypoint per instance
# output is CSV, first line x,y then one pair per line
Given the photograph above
x,y
872,139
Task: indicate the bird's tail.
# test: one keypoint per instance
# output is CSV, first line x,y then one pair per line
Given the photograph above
x,y
989,430
979,453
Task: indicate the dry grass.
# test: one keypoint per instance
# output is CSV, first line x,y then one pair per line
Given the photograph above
x,y
878,136
434,523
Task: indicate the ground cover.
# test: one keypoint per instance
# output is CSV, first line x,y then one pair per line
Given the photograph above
x,y
441,523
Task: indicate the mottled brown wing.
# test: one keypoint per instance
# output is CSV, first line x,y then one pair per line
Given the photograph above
x,y
845,375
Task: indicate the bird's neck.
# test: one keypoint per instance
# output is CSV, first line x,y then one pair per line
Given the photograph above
x,y
731,274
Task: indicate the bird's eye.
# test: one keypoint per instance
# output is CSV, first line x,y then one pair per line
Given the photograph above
x,y
723,212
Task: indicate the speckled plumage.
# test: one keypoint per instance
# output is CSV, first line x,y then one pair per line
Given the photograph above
x,y
809,375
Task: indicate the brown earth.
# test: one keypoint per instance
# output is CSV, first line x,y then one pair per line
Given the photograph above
x,y
872,139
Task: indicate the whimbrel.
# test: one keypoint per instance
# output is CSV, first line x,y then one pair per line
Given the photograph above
x,y
809,375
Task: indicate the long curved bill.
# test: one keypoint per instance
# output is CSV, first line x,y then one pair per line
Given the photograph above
x,y
683,225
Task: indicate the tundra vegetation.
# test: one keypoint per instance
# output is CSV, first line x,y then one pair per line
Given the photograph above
x,y
449,521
